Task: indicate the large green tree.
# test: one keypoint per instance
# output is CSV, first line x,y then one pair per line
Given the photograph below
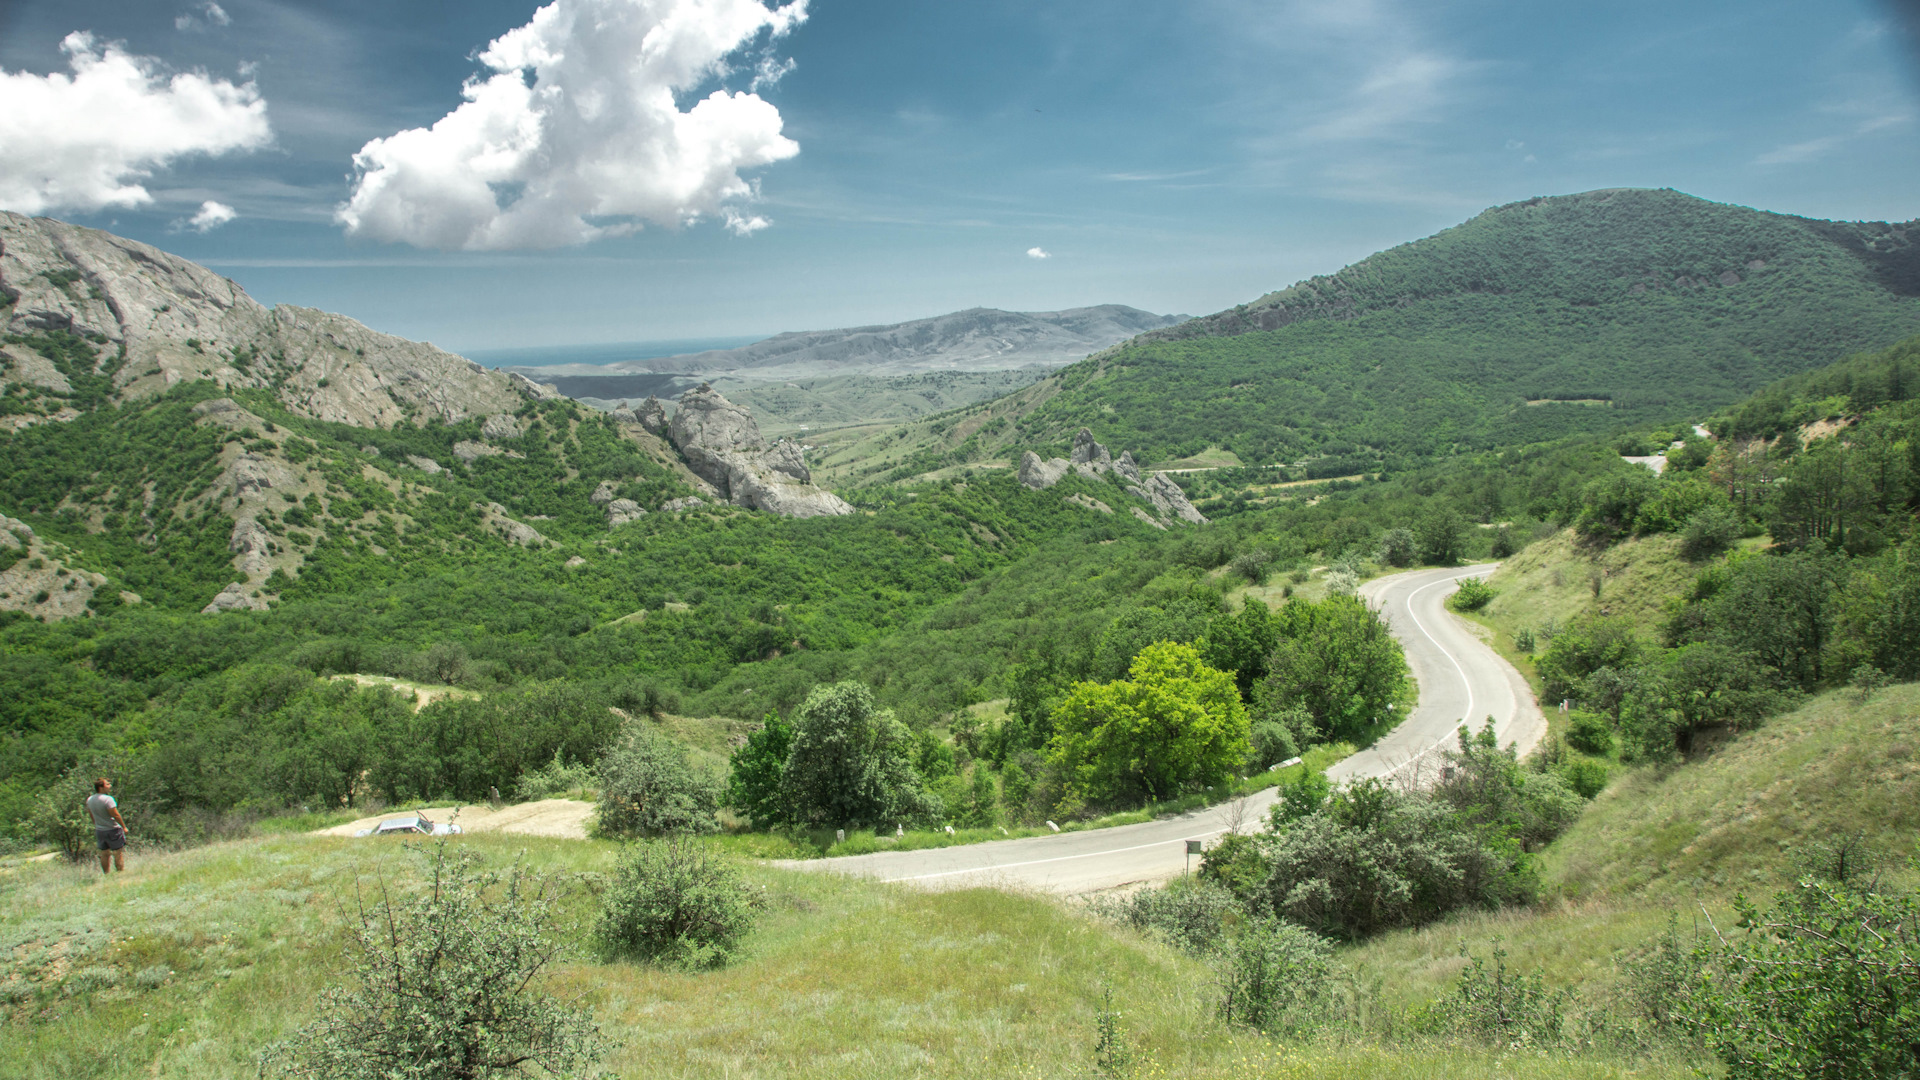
x,y
1336,660
1173,723
851,763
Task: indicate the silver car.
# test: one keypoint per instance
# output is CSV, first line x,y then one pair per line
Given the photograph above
x,y
412,825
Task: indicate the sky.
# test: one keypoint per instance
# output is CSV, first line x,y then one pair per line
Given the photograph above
x,y
488,174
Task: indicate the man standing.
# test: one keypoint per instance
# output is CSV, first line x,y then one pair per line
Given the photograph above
x,y
109,828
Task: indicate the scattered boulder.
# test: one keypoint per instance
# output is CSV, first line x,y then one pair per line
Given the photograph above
x,y
235,597
603,494
621,511
674,506
576,561
425,464
500,426
469,451
1040,475
723,446
518,532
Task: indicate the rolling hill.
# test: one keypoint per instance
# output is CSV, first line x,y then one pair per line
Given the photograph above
x,y
1574,314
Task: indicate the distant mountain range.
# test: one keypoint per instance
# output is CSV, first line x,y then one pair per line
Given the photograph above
x,y
975,340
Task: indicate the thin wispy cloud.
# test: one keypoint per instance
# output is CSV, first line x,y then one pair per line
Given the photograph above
x,y
199,18
1811,150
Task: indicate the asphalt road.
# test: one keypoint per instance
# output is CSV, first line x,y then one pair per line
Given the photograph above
x,y
1460,679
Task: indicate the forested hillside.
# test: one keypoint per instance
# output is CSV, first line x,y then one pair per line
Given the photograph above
x,y
1556,316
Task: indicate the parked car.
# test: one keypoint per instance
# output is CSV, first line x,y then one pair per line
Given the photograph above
x,y
412,825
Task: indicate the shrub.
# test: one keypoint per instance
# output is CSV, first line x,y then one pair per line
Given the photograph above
x,y
1273,743
1589,733
553,779
1189,913
1398,547
1523,640
446,985
1494,1005
1585,776
648,788
1821,984
1237,865
676,904
1252,566
1174,723
1709,532
1474,593
1273,976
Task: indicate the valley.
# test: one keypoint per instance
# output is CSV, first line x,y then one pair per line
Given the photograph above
x,y
857,657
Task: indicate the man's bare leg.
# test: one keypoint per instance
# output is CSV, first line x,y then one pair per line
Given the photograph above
x,y
119,860
104,855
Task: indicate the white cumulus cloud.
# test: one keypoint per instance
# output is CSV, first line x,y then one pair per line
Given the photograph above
x,y
212,215
576,133
212,14
83,141
1038,253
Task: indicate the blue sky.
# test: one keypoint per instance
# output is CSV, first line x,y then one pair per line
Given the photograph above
x,y
1181,157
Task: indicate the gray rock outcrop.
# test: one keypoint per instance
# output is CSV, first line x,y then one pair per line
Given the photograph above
x,y
603,494
235,597
723,446
532,390
425,464
621,511
1092,460
500,426
178,321
1040,475
253,544
674,506
652,415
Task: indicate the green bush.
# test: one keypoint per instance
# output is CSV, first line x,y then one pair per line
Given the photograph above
x,y
554,779
1496,1006
1189,913
1589,733
1823,983
647,788
1273,976
753,776
1273,742
674,903
1585,776
1474,593
1710,531
446,985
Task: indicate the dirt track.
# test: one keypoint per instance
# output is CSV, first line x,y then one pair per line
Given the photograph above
x,y
548,817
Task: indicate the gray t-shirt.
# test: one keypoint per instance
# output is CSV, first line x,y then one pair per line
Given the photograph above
x,y
100,805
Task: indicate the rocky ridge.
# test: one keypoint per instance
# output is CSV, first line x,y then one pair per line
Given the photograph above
x,y
1092,460
156,319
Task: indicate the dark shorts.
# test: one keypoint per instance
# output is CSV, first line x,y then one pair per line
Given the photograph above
x,y
112,839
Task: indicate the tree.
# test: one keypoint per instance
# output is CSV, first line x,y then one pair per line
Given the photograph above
x,y
1172,724
647,788
753,783
1443,532
445,985
1778,610
1399,547
676,904
1336,660
851,763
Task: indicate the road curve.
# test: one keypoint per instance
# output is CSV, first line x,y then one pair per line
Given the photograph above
x,y
1460,678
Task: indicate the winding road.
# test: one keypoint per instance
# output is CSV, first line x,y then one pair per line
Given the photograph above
x,y
1460,679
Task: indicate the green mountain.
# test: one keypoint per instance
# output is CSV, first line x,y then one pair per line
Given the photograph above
x,y
1574,314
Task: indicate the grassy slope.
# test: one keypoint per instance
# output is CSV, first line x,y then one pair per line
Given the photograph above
x,y
841,979
1677,841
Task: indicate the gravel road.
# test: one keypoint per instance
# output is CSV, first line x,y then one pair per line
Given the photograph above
x,y
1460,678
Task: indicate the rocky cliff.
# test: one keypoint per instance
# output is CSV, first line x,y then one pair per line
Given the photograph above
x,y
723,446
1092,460
151,320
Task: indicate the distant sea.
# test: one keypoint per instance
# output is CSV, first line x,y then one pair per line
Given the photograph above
x,y
610,353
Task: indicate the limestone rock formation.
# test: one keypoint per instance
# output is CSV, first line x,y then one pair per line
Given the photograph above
x,y
652,415
500,426
254,546
603,494
1149,519
51,590
535,391
723,446
518,532
235,597
425,464
1040,475
621,511
673,506
1093,460
177,321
